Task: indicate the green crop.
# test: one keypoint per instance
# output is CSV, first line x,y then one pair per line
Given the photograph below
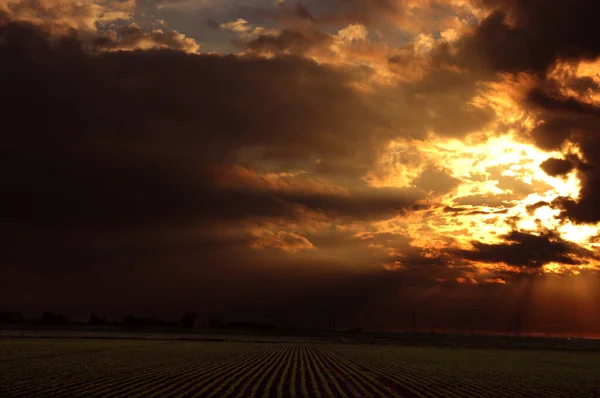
x,y
153,367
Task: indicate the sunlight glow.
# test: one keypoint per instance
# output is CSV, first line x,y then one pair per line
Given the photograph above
x,y
500,188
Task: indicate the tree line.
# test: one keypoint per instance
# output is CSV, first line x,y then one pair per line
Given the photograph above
x,y
189,320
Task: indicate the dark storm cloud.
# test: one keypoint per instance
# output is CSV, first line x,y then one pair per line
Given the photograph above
x,y
143,129
496,46
111,164
116,190
532,208
100,143
527,250
529,35
438,99
160,126
564,119
298,41
556,167
581,85
560,106
559,167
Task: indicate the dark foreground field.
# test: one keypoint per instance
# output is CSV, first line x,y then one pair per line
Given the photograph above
x,y
37,367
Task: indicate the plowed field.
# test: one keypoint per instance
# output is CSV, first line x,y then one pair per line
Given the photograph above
x,y
128,368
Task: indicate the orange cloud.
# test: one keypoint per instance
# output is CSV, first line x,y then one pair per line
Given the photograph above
x,y
286,241
63,15
300,182
106,24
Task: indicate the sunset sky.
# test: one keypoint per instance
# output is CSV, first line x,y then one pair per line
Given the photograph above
x,y
277,159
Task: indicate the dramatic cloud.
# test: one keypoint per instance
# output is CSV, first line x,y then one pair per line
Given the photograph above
x,y
108,23
412,16
526,250
132,37
289,158
142,150
82,16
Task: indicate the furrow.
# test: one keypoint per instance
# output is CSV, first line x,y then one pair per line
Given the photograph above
x,y
270,389
321,373
241,389
165,385
239,375
260,383
285,373
192,384
123,386
206,388
183,380
366,386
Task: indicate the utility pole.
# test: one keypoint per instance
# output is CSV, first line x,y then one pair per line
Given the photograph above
x,y
331,321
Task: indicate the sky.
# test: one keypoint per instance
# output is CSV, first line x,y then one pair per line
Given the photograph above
x,y
278,160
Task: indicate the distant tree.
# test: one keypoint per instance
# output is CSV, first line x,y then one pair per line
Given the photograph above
x,y
269,326
188,320
161,322
96,320
133,322
50,318
11,318
249,326
215,323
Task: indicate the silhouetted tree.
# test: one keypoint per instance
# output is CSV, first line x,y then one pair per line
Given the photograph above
x,y
11,318
96,320
215,323
131,321
50,318
249,326
188,320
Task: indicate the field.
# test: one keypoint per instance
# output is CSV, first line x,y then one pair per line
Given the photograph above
x,y
70,367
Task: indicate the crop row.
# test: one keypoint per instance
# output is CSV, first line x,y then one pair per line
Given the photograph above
x,y
222,369
421,371
194,370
